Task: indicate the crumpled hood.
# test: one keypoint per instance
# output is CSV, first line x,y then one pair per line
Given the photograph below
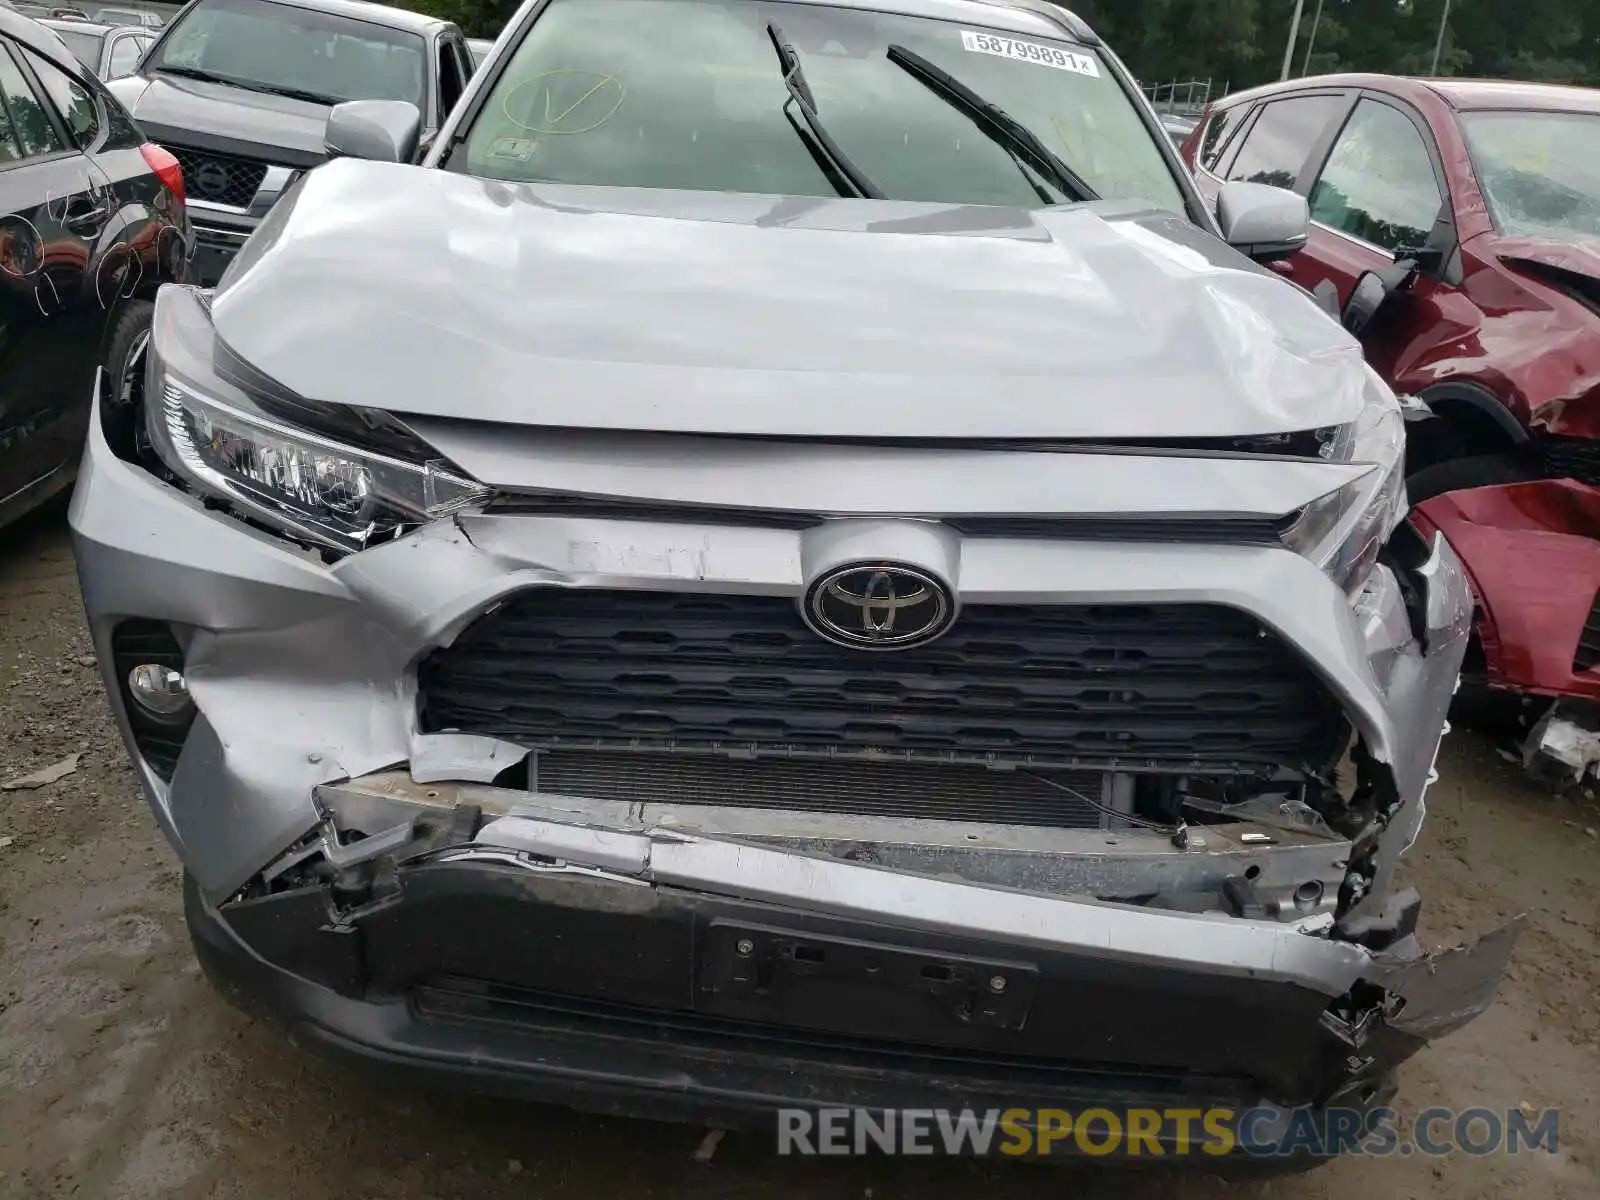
x,y
1578,258
172,108
426,292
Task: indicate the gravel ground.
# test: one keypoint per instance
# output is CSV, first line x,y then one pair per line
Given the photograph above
x,y
123,1075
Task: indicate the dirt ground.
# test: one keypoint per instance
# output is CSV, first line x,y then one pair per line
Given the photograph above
x,y
122,1075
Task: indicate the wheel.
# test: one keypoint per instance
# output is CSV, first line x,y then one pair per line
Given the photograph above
x,y
1458,474
1477,705
124,367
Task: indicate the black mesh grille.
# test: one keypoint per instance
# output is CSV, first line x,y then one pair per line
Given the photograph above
x,y
1570,458
1587,656
1172,686
218,178
1065,800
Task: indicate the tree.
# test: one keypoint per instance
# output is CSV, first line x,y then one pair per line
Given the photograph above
x,y
1241,41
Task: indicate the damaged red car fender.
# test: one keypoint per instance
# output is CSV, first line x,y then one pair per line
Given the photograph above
x,y
1532,551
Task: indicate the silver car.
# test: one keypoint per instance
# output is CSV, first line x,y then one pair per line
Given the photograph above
x,y
789,563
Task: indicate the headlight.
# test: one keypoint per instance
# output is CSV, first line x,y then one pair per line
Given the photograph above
x,y
1344,530
210,431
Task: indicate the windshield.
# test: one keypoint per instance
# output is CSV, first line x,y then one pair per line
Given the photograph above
x,y
277,46
1539,171
690,94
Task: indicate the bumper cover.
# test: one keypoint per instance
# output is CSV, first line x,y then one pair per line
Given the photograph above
x,y
466,907
698,1007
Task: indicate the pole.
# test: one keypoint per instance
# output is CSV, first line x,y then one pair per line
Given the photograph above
x,y
1294,32
1438,45
1316,19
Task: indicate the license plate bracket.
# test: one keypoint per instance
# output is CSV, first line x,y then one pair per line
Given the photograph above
x,y
767,973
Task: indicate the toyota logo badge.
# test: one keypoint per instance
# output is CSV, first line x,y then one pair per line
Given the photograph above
x,y
878,606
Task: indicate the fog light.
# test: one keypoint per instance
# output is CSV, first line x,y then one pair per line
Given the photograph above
x,y
159,690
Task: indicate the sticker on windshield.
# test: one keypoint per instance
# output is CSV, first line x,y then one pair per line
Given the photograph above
x,y
1033,52
518,149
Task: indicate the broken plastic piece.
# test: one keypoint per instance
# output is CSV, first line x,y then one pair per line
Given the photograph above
x,y
44,776
1560,746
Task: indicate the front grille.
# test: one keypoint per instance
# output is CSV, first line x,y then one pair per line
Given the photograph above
x,y
1570,457
1168,528
1587,655
844,1058
1181,687
218,178
1056,799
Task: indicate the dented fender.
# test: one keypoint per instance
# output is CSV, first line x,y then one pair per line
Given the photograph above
x,y
1532,552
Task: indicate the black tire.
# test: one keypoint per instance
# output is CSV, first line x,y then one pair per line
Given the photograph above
x,y
120,418
1458,474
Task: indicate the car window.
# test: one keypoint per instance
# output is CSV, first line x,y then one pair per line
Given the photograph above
x,y
1219,129
690,94
1378,184
1539,171
121,132
10,98
325,55
31,131
1276,147
125,54
85,47
72,102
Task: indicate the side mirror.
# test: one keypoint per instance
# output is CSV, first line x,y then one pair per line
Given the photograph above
x,y
1261,221
1366,298
380,130
1372,290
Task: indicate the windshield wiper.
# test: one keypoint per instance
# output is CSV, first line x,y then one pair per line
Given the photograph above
x,y
249,85
833,161
196,73
996,124
273,89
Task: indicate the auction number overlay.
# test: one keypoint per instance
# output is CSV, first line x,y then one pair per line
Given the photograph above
x,y
1033,52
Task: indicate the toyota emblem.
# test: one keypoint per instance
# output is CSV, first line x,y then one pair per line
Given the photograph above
x,y
878,606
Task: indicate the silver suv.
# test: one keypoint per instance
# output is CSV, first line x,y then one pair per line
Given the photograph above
x,y
790,562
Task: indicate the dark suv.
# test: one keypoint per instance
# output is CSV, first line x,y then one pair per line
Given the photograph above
x,y
239,91
91,224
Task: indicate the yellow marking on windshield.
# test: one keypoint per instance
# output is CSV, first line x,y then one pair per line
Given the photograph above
x,y
553,121
1532,158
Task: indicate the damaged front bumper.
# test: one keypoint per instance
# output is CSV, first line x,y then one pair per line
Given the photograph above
x,y
486,940
421,897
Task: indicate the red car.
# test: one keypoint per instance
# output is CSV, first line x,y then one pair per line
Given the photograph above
x,y
1492,191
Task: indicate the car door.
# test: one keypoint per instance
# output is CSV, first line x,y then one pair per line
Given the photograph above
x,y
52,208
1378,194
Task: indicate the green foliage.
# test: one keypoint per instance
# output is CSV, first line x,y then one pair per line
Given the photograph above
x,y
477,18
1241,42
